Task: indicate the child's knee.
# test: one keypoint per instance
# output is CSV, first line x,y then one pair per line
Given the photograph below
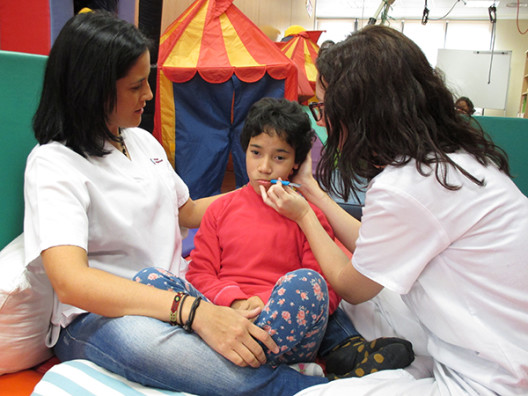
x,y
147,275
304,276
161,279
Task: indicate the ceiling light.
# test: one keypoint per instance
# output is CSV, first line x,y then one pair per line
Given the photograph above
x,y
480,3
514,5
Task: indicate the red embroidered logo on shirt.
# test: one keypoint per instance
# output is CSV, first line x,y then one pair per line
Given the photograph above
x,y
156,160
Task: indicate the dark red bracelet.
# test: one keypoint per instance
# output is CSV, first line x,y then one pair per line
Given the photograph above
x,y
178,298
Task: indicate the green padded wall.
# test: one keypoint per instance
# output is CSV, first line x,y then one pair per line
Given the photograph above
x,y
511,134
20,83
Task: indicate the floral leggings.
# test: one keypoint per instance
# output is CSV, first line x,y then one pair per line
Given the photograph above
x,y
296,315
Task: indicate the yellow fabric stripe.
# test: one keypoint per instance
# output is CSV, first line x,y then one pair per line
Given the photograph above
x,y
177,23
309,65
236,50
291,48
186,51
168,117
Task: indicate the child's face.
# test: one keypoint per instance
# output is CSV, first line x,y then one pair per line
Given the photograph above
x,y
268,157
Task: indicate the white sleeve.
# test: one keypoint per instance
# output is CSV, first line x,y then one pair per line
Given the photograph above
x,y
56,205
397,239
182,191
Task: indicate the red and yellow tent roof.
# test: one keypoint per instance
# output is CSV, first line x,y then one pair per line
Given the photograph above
x,y
216,40
302,49
213,38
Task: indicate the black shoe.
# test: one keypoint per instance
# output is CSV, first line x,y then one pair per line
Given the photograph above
x,y
380,354
391,356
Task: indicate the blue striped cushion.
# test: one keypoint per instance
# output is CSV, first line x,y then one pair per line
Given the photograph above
x,y
82,377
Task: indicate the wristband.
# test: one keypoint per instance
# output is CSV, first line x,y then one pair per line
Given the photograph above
x,y
181,309
178,298
188,325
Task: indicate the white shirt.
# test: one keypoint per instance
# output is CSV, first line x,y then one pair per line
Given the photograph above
x,y
459,257
123,212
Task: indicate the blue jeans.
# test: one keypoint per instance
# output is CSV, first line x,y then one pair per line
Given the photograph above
x,y
309,339
156,354
295,315
339,329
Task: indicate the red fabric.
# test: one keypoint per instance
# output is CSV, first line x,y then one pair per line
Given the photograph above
x,y
303,46
157,114
45,366
19,384
176,29
243,247
23,382
25,26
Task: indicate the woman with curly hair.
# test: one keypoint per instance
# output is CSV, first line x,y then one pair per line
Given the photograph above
x,y
443,225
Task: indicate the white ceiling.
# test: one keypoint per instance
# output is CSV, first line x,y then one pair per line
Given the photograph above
x,y
413,9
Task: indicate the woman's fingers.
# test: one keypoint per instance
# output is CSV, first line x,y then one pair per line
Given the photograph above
x,y
264,337
251,352
244,348
285,201
232,335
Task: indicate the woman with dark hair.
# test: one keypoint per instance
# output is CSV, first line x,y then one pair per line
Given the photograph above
x,y
102,203
465,105
443,225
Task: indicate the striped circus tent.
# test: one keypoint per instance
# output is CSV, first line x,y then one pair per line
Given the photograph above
x,y
213,64
301,47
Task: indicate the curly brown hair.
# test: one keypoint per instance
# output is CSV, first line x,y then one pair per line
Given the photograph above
x,y
386,105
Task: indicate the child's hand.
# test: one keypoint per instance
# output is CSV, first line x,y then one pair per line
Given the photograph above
x,y
285,201
251,303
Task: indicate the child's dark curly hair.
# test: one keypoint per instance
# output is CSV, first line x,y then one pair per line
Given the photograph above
x,y
284,118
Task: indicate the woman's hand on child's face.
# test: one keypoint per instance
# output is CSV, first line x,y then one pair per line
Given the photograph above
x,y
304,175
285,201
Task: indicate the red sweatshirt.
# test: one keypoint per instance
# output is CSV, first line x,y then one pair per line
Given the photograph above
x,y
243,247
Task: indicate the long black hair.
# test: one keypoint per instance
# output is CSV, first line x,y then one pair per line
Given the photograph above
x,y
385,105
92,52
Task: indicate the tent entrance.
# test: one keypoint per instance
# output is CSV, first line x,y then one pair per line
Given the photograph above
x,y
208,121
229,181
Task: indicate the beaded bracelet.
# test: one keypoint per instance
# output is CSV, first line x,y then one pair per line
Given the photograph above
x,y
188,325
178,298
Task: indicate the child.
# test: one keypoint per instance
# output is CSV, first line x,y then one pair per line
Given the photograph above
x,y
246,255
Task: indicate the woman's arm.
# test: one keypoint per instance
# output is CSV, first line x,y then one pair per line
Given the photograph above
x,y
308,260
344,278
98,291
191,212
227,331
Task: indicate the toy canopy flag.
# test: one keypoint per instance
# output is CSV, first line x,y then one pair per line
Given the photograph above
x,y
213,64
301,47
